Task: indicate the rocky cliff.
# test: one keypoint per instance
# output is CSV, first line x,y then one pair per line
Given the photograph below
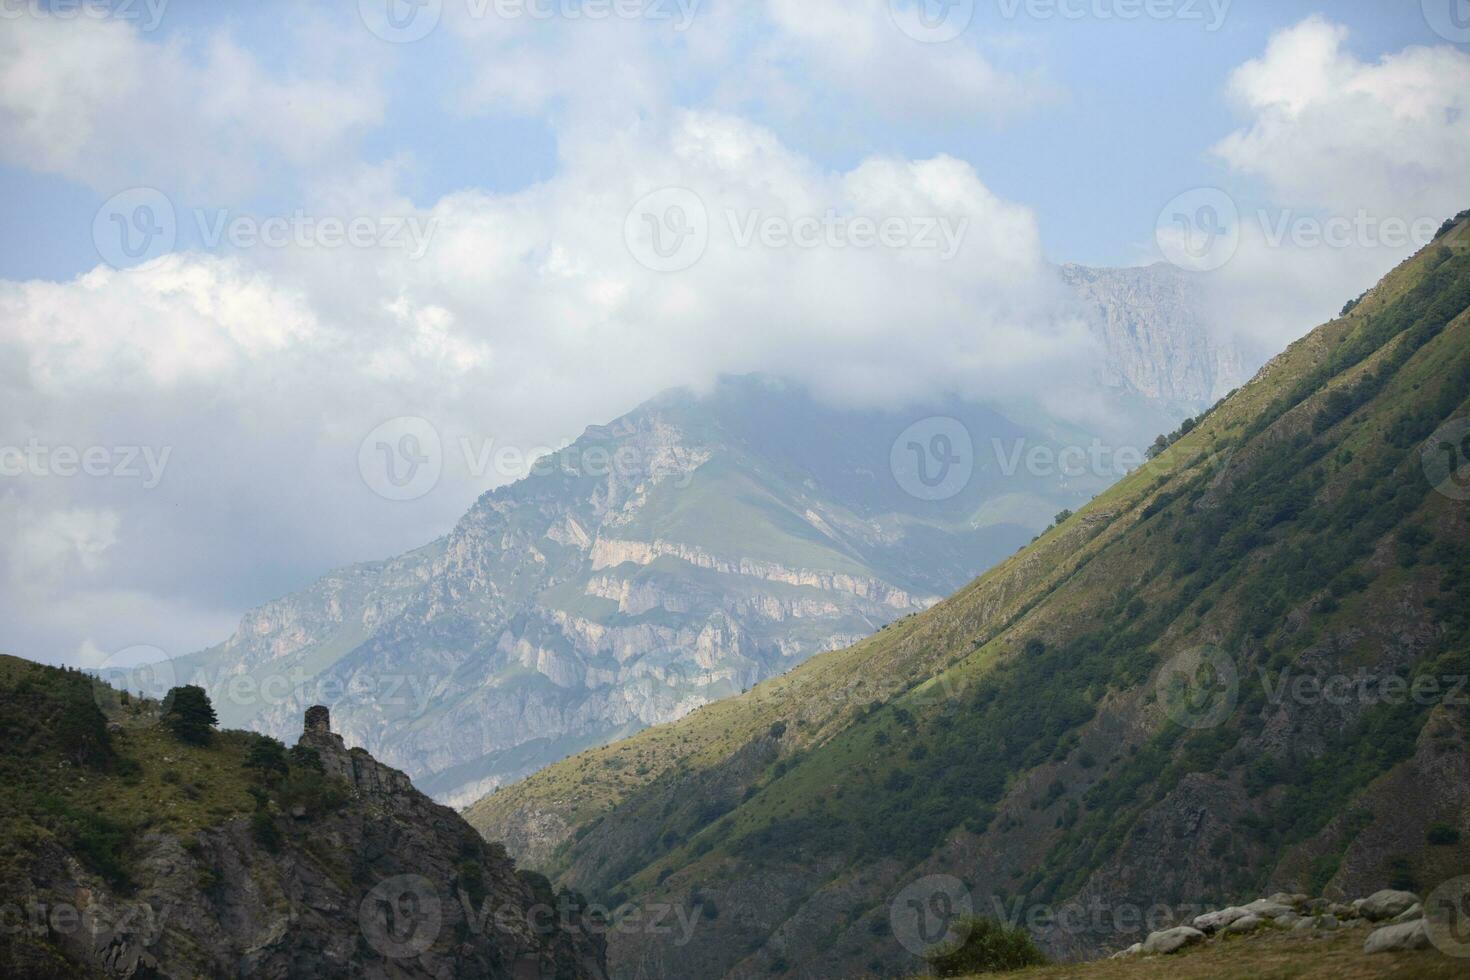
x,y
130,852
1155,335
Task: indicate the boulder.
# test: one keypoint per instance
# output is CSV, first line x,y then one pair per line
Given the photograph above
x,y
1214,921
1415,911
1124,954
1342,911
1171,940
1244,924
1384,905
1268,908
1392,938
1293,899
1312,923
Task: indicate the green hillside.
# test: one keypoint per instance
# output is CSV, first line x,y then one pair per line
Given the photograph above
x,y
1021,735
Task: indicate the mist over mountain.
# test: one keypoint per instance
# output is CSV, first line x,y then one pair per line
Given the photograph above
x,y
694,547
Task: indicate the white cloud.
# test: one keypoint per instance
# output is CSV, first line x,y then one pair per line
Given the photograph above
x,y
96,101
174,320
1341,145
1329,130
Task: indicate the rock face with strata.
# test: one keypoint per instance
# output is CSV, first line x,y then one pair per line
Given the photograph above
x,y
677,556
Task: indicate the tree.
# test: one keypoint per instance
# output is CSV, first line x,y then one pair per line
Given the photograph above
x,y
189,715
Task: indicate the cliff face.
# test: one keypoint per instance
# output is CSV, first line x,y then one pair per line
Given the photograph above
x,y
345,870
1152,329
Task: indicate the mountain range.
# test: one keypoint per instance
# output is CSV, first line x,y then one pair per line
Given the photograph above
x,y
1241,669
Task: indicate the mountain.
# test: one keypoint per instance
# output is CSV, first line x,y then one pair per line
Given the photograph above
x,y
1240,669
130,850
1152,328
677,556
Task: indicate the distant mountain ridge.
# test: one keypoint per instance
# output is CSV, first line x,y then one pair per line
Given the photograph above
x,y
753,528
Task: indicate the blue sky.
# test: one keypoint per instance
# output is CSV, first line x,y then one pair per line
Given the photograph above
x,y
556,218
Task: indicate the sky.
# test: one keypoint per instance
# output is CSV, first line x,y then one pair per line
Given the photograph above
x,y
246,248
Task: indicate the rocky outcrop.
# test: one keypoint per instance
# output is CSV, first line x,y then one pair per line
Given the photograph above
x,y
383,883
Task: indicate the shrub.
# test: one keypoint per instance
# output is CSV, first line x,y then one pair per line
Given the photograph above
x,y
1442,835
265,830
983,946
267,757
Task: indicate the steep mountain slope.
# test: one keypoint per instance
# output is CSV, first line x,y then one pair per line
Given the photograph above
x,y
129,852
1131,711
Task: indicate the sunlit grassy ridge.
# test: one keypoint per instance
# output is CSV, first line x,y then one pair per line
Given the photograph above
x,y
1295,517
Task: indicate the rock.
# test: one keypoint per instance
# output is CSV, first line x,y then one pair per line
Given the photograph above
x,y
1171,940
1214,921
1268,908
1293,899
1392,938
1312,923
1123,954
1386,904
1244,924
1415,911
1342,911
1318,906
1286,921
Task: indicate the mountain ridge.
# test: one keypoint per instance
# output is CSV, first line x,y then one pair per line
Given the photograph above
x,y
1224,541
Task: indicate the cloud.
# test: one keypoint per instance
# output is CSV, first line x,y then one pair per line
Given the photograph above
x,y
792,59
1350,154
528,316
94,100
1328,130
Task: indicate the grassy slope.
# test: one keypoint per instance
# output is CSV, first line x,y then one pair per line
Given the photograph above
x,y
1266,956
818,696
1287,502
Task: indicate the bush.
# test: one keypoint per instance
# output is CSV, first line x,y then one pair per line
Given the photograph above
x,y
265,831
1442,835
267,757
983,946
